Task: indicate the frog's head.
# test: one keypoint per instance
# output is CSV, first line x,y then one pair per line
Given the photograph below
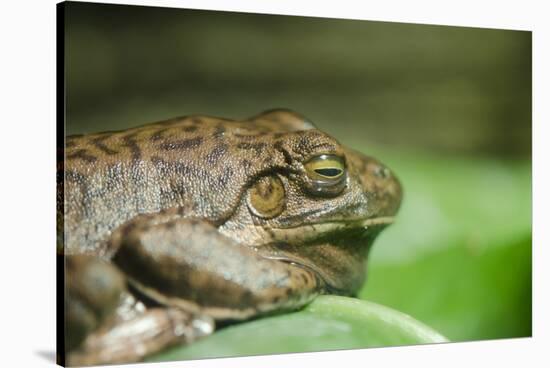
x,y
314,202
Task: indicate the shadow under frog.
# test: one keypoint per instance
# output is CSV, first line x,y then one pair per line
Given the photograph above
x,y
169,227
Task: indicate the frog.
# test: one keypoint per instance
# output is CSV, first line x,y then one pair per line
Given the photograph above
x,y
168,230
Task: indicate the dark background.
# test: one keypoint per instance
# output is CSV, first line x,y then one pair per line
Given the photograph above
x,y
441,88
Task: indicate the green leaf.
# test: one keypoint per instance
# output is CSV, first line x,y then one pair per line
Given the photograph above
x,y
329,323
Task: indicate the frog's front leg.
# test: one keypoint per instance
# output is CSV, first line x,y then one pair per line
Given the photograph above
x,y
188,264
196,274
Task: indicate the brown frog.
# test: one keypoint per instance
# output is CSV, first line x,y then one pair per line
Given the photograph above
x,y
169,227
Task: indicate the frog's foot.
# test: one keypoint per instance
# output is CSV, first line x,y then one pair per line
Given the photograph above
x,y
145,334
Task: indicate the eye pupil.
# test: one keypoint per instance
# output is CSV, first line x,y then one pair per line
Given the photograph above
x,y
329,171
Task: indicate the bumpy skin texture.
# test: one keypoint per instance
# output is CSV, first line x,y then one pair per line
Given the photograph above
x,y
217,219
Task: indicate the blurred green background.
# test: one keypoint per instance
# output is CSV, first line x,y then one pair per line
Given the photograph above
x,y
447,108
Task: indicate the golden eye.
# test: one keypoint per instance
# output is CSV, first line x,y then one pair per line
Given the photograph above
x,y
326,168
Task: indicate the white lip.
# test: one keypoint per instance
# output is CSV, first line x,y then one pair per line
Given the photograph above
x,y
378,221
304,233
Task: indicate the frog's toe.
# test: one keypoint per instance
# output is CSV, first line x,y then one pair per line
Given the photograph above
x,y
202,326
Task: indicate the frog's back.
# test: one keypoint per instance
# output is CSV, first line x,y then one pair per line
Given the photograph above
x,y
199,166
182,163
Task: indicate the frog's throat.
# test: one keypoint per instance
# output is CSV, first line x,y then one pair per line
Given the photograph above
x,y
309,232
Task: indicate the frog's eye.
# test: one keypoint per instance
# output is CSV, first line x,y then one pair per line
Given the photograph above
x,y
325,167
327,173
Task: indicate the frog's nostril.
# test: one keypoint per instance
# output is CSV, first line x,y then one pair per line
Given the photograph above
x,y
382,172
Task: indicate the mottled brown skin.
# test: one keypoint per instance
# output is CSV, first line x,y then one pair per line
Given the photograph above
x,y
209,219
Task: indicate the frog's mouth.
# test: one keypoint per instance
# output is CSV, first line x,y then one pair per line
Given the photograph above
x,y
335,251
310,232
